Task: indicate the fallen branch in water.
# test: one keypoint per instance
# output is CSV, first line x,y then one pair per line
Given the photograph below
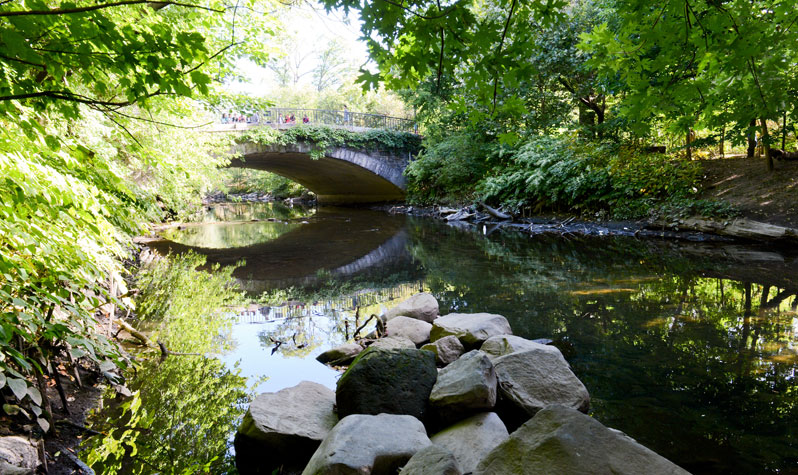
x,y
357,331
494,212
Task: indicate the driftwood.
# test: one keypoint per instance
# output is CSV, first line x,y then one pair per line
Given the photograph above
x,y
494,212
738,228
461,215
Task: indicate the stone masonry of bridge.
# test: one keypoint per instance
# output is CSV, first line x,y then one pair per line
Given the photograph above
x,y
342,176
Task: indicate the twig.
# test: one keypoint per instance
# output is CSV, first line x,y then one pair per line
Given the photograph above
x,y
357,331
69,422
60,387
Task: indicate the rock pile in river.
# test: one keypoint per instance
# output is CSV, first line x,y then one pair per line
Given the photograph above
x,y
397,410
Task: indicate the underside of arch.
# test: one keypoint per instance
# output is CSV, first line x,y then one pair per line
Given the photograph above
x,y
334,180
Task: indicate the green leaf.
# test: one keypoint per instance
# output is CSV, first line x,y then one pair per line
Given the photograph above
x,y
43,424
35,395
19,387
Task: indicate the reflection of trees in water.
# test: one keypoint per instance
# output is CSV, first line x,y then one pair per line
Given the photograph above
x,y
178,421
700,369
313,319
230,235
249,211
184,408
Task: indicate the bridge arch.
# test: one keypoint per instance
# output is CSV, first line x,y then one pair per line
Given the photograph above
x,y
342,176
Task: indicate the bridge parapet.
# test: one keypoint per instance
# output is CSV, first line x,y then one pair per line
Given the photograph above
x,y
280,118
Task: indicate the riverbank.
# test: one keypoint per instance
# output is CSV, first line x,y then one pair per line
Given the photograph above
x,y
685,229
759,195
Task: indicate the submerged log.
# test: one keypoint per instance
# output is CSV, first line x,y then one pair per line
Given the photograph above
x,y
738,228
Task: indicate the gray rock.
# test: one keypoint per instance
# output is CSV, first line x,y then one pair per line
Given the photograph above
x,y
467,385
289,425
472,439
421,306
416,331
17,455
390,381
392,343
533,379
365,444
470,328
561,440
501,345
446,350
432,460
340,355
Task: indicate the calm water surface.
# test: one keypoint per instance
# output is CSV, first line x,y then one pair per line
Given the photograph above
x,y
691,349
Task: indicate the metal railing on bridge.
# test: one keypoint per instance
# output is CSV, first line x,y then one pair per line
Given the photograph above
x,y
287,117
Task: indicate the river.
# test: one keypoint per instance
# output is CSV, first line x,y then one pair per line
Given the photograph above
x,y
690,348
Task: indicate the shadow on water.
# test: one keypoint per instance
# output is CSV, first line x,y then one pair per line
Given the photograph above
x,y
340,242
690,348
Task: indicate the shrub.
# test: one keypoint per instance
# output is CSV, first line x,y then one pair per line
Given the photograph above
x,y
566,174
550,173
448,169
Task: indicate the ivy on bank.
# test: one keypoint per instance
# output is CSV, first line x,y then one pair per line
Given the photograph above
x,y
323,138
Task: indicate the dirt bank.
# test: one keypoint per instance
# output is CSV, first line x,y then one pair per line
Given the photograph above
x,y
770,197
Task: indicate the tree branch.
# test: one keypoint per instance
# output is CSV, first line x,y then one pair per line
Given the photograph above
x,y
499,52
65,11
419,15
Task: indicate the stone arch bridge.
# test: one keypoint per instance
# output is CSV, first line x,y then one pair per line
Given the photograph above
x,y
342,176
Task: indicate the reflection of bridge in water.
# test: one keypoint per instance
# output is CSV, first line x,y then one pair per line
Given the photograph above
x,y
332,244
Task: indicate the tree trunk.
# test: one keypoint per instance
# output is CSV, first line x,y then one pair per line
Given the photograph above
x,y
766,143
751,140
687,142
722,145
784,132
587,121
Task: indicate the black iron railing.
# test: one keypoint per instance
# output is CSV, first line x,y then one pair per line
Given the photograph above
x,y
286,117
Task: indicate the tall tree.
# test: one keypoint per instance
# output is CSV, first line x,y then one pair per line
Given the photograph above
x,y
331,64
684,61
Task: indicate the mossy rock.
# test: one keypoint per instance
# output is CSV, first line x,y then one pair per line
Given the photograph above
x,y
397,381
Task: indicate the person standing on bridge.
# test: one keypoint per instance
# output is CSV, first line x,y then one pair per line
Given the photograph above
x,y
346,115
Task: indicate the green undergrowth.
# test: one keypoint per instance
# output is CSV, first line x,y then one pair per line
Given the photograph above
x,y
324,138
562,174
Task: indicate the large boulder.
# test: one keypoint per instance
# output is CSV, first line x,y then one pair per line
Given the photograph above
x,y
562,440
284,428
470,328
421,306
414,330
18,455
432,460
392,343
533,379
501,345
340,355
389,381
467,385
471,439
368,444
446,350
